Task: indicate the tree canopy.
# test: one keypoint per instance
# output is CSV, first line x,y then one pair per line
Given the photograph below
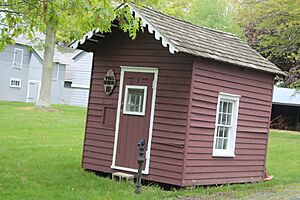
x,y
215,14
66,19
70,18
273,28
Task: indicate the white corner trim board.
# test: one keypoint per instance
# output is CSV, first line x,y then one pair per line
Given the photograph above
x,y
146,24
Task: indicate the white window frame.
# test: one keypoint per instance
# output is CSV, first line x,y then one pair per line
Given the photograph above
x,y
230,151
127,87
14,59
15,79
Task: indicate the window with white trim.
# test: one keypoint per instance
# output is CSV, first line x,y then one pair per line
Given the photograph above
x,y
15,82
18,58
135,100
226,125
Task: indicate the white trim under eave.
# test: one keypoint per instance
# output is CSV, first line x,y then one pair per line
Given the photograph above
x,y
154,86
146,23
157,35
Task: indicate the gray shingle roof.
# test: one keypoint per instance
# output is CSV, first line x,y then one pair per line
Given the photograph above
x,y
207,43
36,46
182,36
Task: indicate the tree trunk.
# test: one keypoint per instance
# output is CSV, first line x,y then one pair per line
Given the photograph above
x,y
45,93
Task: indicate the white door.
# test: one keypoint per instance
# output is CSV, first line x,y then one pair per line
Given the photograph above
x,y
33,91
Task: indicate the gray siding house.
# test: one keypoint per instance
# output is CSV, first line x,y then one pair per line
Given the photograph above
x,y
21,73
77,78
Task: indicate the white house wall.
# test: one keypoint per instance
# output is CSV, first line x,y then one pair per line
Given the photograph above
x,y
31,71
7,72
57,87
79,97
78,94
82,70
35,70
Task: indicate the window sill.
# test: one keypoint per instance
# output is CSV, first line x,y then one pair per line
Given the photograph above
x,y
224,155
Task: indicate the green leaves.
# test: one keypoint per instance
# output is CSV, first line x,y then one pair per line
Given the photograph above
x,y
128,22
71,18
273,27
215,14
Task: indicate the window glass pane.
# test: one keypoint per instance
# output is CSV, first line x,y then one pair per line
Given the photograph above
x,y
224,110
228,119
226,131
223,119
135,100
220,131
225,144
229,107
219,143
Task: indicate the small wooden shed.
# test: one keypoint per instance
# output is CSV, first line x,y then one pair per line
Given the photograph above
x,y
200,98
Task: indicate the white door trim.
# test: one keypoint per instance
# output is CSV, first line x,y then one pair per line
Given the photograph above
x,y
28,88
154,86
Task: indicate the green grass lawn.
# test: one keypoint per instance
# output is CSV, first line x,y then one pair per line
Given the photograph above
x,y
40,158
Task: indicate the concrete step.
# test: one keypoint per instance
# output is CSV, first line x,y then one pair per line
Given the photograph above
x,y
122,176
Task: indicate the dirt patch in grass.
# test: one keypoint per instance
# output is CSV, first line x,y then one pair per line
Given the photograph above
x,y
39,109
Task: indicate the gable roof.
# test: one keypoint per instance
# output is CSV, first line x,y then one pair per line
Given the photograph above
x,y
182,36
58,56
286,96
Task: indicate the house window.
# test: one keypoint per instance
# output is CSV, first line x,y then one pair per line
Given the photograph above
x,y
226,125
15,82
135,100
18,58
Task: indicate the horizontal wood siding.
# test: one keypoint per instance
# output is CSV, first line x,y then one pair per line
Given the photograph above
x,y
82,70
172,100
79,97
255,88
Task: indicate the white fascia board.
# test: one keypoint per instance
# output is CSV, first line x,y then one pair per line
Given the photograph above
x,y
146,23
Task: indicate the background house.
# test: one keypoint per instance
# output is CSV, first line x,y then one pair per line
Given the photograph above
x,y
286,109
21,73
77,77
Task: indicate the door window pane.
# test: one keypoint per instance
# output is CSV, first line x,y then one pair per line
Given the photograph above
x,y
135,100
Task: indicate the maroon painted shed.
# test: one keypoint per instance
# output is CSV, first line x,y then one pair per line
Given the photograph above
x,y
200,98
